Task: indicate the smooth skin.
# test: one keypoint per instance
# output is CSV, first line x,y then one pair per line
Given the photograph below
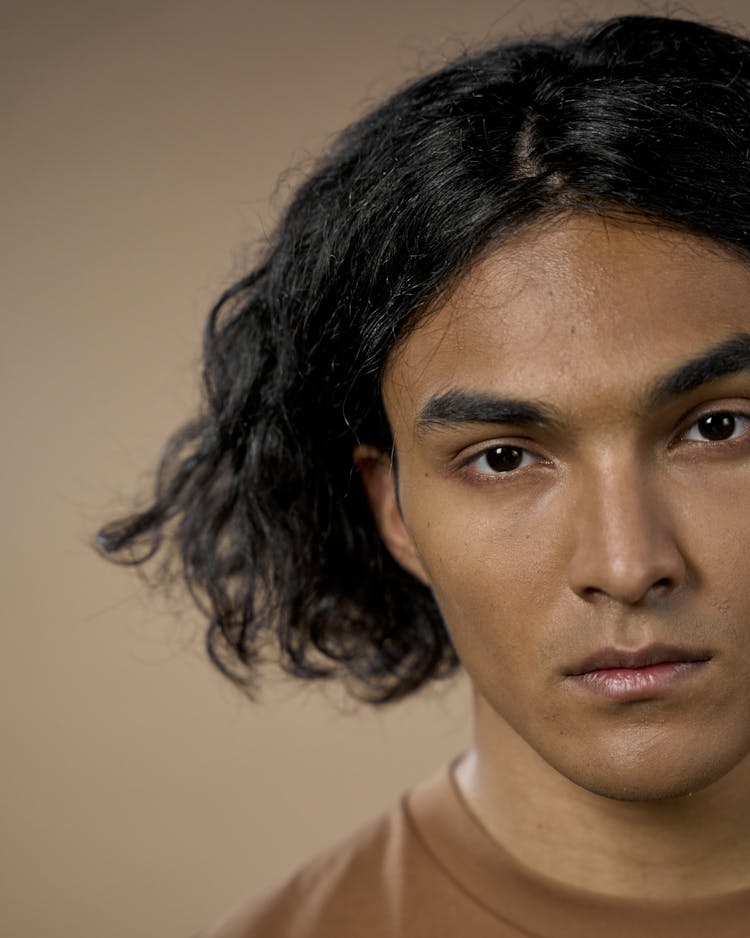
x,y
606,508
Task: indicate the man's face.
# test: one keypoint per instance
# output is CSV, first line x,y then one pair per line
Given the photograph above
x,y
578,500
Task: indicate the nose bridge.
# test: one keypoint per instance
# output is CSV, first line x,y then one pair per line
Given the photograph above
x,y
625,544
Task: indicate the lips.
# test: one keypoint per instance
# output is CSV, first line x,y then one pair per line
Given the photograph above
x,y
607,659
655,672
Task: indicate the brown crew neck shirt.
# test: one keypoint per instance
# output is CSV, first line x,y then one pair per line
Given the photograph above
x,y
428,869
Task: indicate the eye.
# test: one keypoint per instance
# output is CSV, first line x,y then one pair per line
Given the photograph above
x,y
718,427
501,459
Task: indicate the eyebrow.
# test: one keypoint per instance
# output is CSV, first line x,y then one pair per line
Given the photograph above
x,y
456,406
728,358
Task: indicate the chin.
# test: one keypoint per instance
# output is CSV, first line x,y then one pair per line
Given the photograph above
x,y
645,778
643,790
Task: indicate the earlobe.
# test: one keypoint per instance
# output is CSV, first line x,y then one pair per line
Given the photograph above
x,y
380,483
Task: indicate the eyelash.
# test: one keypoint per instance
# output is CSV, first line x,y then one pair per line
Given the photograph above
x,y
493,449
470,464
738,416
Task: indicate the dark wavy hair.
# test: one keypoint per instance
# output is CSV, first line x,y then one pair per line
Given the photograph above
x,y
256,503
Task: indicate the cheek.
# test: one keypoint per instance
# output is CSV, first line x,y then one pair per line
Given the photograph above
x,y
503,624
715,539
497,580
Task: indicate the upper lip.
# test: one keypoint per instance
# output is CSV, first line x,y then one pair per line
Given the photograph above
x,y
611,657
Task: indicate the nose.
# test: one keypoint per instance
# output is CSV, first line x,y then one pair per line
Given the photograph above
x,y
626,546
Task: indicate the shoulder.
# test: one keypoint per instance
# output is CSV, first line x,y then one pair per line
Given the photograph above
x,y
405,873
337,892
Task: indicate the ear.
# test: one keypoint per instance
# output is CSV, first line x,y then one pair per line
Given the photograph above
x,y
379,480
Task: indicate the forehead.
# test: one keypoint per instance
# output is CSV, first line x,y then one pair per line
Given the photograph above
x,y
584,304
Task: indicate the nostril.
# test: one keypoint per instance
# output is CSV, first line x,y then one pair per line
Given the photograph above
x,y
593,592
630,593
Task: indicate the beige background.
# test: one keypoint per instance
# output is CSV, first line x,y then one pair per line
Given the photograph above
x,y
141,794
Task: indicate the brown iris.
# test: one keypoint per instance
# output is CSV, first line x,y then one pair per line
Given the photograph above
x,y
717,426
504,458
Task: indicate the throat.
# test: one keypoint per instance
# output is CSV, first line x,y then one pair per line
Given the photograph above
x,y
692,846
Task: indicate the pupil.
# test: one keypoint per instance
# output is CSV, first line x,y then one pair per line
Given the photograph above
x,y
717,426
504,458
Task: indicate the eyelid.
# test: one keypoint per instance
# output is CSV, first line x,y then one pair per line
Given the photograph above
x,y
463,462
466,462
732,409
468,452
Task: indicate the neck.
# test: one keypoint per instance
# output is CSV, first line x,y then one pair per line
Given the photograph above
x,y
696,845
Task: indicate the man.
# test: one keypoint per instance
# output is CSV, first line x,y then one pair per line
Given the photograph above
x,y
515,297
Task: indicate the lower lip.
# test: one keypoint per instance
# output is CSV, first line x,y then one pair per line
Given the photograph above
x,y
651,681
